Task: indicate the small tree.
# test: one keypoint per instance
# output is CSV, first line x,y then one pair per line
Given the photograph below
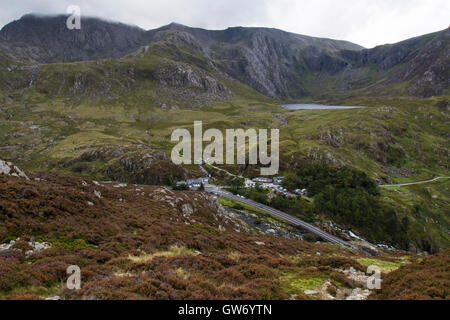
x,y
237,182
181,187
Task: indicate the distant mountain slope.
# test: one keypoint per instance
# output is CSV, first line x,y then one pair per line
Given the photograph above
x,y
422,61
53,42
276,63
269,60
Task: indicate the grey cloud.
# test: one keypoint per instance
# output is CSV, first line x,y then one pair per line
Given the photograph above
x,y
366,22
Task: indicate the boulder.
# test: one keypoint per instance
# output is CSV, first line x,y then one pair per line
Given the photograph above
x,y
9,169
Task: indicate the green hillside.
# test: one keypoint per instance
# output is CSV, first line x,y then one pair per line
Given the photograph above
x,y
111,118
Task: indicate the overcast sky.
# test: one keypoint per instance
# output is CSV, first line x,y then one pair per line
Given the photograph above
x,y
365,22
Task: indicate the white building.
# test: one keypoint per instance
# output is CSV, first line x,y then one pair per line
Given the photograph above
x,y
249,183
262,180
278,180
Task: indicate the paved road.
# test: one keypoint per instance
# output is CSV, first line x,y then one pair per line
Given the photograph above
x,y
412,183
322,234
207,175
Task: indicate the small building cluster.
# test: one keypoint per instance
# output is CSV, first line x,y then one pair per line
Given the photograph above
x,y
274,184
193,184
262,180
278,180
301,192
283,191
249,183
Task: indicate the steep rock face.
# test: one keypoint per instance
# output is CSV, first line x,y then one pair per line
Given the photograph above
x,y
430,68
422,62
254,65
274,62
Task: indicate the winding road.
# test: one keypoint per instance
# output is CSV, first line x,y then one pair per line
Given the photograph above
x,y
284,216
318,232
412,183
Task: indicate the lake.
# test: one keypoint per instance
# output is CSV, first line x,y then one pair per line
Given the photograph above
x,y
311,106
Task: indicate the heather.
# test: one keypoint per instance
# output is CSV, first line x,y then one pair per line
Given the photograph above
x,y
132,243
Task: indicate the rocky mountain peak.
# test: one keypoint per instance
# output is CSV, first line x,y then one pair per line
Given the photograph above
x,y
95,40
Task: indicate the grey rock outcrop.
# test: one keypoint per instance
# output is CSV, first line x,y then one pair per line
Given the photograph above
x,y
182,76
9,169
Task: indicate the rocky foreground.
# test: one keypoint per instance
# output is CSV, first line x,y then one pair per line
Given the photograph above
x,y
144,242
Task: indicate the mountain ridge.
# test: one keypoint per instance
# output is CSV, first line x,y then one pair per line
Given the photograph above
x,y
274,62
